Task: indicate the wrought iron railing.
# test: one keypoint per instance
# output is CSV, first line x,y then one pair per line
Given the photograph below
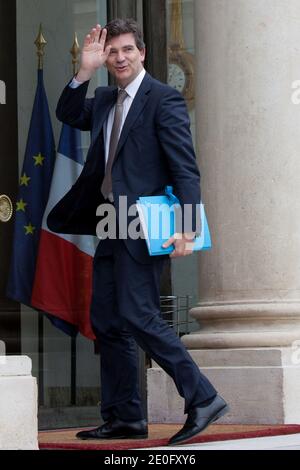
x,y
175,310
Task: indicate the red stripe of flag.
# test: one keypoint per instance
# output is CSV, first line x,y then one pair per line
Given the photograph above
x,y
63,282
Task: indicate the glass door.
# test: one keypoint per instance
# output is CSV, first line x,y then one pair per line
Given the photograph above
x,y
67,369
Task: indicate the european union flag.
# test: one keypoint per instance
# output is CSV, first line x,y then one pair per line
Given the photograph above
x,y
34,186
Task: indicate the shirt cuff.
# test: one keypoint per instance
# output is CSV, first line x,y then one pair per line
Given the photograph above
x,y
75,83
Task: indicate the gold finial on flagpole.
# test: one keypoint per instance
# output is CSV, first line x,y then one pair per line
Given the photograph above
x,y
75,51
40,43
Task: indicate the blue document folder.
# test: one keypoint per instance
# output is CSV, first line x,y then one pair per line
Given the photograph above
x,y
158,220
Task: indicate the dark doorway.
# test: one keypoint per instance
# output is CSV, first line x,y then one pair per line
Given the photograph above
x,y
9,310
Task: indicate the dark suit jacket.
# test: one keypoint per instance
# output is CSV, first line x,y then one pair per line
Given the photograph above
x,y
155,149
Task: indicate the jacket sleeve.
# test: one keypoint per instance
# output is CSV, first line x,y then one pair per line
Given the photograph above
x,y
74,108
173,128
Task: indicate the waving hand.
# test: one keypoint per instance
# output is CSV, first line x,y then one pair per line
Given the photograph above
x,y
94,53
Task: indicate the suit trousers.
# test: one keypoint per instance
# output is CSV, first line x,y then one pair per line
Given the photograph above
x,y
125,311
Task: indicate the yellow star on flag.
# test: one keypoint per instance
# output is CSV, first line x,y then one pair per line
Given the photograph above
x,y
24,180
21,205
29,229
38,159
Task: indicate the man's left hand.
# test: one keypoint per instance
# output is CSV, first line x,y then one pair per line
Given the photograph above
x,y
183,243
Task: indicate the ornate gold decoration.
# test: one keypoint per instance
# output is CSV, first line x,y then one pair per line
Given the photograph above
x,y
181,63
75,51
40,43
176,24
6,208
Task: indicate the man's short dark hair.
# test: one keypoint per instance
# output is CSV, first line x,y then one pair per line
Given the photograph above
x,y
123,26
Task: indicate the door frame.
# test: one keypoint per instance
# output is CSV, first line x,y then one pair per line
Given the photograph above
x,y
10,321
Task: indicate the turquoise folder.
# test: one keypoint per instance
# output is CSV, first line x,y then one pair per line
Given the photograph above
x,y
158,220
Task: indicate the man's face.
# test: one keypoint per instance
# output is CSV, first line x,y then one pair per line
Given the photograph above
x,y
125,60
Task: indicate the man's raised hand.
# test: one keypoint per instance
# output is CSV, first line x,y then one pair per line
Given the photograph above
x,y
93,54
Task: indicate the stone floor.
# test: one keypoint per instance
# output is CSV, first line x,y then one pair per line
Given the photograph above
x,y
288,442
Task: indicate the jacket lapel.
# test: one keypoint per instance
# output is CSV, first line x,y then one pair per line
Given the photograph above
x,y
107,100
136,108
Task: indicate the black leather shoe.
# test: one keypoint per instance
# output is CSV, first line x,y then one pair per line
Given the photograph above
x,y
199,418
117,429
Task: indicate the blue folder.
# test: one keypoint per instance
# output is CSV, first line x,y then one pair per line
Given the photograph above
x,y
158,220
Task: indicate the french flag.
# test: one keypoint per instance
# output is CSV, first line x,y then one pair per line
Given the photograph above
x,y
63,276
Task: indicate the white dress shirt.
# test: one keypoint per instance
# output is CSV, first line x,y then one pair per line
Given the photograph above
x,y
131,91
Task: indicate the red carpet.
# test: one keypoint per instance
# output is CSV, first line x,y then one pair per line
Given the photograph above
x,y
159,436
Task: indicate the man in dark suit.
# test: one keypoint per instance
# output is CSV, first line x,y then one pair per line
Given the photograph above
x,y
140,142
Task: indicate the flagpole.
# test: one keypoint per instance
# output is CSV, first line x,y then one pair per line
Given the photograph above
x,y
40,43
75,51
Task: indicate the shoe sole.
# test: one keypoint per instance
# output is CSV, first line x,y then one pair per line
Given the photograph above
x,y
140,436
221,413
